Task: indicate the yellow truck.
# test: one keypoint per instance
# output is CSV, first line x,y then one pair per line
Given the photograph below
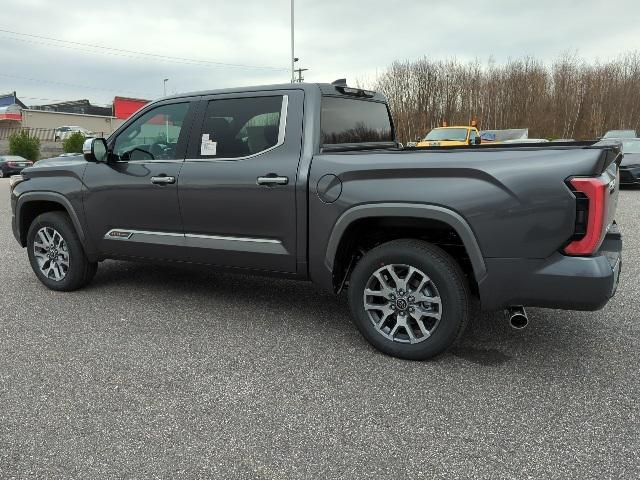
x,y
451,136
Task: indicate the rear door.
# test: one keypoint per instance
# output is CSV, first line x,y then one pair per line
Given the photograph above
x,y
237,186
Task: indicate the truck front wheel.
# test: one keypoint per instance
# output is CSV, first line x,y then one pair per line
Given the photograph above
x,y
56,254
409,299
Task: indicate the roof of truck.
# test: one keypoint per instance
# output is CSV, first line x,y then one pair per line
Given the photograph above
x,y
325,89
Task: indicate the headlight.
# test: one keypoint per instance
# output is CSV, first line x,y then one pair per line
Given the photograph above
x,y
14,180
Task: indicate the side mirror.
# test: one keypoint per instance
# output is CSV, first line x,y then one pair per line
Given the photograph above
x,y
477,141
95,150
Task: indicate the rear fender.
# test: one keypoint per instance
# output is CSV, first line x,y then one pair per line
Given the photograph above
x,y
431,212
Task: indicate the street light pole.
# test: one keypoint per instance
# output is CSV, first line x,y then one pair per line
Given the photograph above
x,y
293,60
164,86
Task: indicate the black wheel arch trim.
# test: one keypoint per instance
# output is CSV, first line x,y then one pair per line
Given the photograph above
x,y
414,210
54,197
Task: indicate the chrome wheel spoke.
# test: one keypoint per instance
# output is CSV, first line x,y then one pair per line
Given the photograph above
x,y
423,329
44,241
421,298
394,330
409,330
386,313
386,289
420,312
377,293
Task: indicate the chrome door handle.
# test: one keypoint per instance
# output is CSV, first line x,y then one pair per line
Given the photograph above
x,y
163,180
273,180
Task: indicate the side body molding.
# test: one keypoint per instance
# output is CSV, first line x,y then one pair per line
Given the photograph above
x,y
431,212
54,197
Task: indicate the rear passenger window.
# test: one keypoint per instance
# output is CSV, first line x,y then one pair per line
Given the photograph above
x,y
240,127
345,120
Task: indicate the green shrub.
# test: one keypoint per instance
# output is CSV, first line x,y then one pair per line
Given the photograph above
x,y
23,144
73,143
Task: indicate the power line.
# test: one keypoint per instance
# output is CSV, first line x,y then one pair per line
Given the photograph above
x,y
127,53
73,85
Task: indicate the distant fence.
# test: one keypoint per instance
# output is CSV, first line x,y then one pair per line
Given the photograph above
x,y
43,134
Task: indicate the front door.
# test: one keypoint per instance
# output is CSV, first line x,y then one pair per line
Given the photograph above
x,y
131,201
237,186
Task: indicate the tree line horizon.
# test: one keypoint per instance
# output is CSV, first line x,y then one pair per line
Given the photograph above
x,y
567,98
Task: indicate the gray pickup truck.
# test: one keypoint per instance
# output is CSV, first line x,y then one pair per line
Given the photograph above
x,y
307,181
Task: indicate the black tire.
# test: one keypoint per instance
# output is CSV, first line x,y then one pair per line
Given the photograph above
x,y
444,273
80,271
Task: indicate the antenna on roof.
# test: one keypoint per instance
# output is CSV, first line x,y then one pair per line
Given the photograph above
x,y
341,82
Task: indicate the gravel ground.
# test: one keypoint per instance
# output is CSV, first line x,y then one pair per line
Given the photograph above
x,y
158,372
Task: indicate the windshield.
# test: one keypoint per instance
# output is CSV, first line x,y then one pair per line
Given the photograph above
x,y
631,147
452,134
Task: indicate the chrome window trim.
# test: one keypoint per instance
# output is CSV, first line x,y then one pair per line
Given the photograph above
x,y
281,133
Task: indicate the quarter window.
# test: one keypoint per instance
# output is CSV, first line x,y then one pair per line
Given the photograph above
x,y
152,136
239,127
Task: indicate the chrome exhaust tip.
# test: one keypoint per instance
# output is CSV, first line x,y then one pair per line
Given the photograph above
x,y
518,318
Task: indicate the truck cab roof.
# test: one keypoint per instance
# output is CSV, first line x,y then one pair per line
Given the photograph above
x,y
311,88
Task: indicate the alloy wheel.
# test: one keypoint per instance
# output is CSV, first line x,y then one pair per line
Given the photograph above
x,y
51,253
403,303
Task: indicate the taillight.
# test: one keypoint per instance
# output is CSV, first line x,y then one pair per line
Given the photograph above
x,y
591,196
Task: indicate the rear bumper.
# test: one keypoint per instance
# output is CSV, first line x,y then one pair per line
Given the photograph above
x,y
569,283
12,171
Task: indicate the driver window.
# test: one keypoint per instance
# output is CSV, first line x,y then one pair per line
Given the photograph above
x,y
153,136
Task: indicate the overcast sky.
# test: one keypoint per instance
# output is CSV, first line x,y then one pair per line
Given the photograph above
x,y
334,38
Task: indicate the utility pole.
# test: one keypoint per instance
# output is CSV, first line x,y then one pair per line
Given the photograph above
x,y
300,77
293,58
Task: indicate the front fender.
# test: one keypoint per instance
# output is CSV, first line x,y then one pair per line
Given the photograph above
x,y
30,197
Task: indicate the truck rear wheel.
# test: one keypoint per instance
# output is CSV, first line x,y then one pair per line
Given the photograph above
x,y
56,254
409,299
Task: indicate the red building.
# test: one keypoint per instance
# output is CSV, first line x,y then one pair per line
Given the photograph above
x,y
124,107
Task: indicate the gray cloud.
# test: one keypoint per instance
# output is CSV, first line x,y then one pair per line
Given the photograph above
x,y
334,39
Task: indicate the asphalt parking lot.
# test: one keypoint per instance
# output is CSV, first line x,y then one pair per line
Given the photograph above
x,y
154,371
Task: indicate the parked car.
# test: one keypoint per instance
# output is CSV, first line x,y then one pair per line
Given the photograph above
x,y
620,134
451,137
630,166
62,133
306,181
12,165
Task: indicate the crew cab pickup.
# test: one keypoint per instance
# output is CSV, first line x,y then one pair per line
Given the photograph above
x,y
307,181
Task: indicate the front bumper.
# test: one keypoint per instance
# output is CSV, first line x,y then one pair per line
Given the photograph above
x,y
569,283
630,175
